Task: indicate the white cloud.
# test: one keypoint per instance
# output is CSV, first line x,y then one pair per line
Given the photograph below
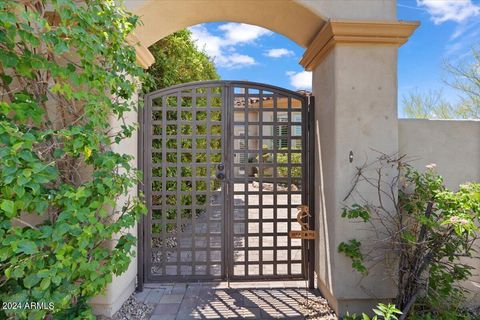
x,y
300,80
236,60
236,33
449,10
206,41
279,52
222,49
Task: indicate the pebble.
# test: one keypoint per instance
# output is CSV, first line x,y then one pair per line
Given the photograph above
x,y
317,308
132,309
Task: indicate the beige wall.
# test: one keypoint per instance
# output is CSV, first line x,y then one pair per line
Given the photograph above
x,y
353,10
289,18
357,113
454,146
122,286
298,20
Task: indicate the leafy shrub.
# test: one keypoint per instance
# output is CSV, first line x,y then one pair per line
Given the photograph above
x,y
429,230
384,311
178,60
452,314
64,74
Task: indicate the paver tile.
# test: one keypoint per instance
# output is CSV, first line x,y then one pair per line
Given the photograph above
x,y
154,296
141,296
163,317
180,290
248,300
166,309
171,298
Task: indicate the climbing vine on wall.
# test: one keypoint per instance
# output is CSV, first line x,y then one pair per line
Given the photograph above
x,y
66,71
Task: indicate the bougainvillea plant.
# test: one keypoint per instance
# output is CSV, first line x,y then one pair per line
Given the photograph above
x,y
424,230
66,72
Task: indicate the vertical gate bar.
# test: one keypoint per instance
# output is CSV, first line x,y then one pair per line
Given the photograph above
x,y
178,202
147,160
245,178
275,181
193,123
207,179
140,190
289,180
164,181
305,185
260,177
311,188
227,234
193,217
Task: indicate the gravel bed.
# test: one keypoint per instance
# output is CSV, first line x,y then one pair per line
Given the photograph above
x,y
133,309
317,308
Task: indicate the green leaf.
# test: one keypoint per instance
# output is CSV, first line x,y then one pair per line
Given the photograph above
x,y
9,207
45,283
17,146
27,172
30,280
8,59
28,247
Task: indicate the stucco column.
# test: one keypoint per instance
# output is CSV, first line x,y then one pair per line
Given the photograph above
x,y
122,286
354,68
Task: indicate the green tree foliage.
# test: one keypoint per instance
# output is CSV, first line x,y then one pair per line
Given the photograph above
x,y
465,79
177,60
431,105
62,80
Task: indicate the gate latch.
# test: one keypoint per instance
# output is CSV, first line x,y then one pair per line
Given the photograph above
x,y
220,174
302,219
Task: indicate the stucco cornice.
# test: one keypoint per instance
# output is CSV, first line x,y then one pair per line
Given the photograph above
x,y
144,57
356,32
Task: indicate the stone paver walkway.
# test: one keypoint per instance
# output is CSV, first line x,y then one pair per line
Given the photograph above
x,y
240,300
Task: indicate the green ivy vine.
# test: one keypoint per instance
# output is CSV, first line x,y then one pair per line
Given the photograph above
x,y
66,71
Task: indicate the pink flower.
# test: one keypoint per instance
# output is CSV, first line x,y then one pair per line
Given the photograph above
x,y
458,220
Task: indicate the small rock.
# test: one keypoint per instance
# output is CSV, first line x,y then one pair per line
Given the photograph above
x,y
133,309
317,308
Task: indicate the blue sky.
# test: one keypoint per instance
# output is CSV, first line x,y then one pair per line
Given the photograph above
x,y
449,28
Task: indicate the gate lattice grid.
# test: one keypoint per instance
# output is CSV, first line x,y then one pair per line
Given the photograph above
x,y
225,167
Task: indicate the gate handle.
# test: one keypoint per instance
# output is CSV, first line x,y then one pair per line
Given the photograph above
x,y
220,176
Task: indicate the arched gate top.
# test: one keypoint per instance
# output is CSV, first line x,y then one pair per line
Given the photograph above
x,y
225,83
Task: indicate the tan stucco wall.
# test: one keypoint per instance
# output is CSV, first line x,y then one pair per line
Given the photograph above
x,y
356,110
454,146
161,18
298,20
353,10
122,286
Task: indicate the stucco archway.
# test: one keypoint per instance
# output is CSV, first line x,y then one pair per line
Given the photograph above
x,y
289,18
351,48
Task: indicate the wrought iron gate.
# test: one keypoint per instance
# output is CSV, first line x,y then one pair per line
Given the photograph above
x,y
225,166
